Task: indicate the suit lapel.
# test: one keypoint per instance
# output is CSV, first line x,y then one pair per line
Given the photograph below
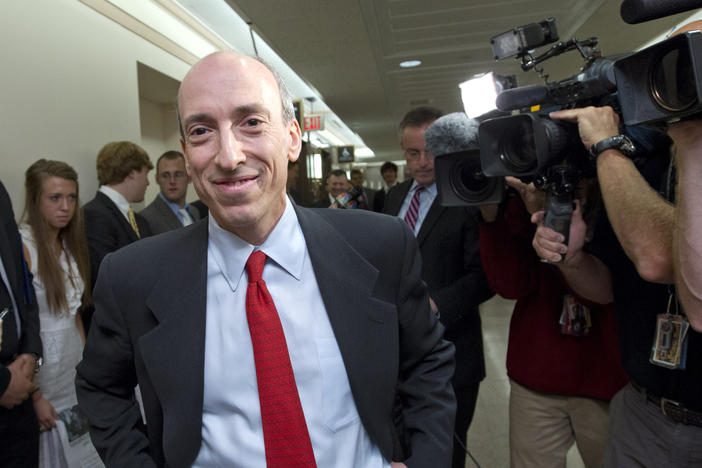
x,y
395,198
174,350
430,220
346,282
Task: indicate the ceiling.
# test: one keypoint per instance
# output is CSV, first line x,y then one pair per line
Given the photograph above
x,y
350,50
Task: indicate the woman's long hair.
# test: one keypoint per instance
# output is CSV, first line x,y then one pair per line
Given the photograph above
x,y
72,236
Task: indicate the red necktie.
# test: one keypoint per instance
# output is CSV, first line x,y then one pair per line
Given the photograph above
x,y
285,434
413,210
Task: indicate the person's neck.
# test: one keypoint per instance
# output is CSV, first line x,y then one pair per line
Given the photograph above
x,y
257,232
180,202
122,189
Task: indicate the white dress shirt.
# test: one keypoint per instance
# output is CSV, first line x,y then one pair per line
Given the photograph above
x,y
118,199
232,434
426,198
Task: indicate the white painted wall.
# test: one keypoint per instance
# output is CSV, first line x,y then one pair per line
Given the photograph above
x,y
68,86
159,133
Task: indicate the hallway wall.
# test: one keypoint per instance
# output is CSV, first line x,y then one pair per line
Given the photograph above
x,y
68,86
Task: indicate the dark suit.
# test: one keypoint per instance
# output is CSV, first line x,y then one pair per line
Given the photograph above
x,y
161,217
150,329
19,428
107,230
451,267
379,201
322,202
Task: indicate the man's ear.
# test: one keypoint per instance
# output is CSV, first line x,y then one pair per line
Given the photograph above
x,y
295,140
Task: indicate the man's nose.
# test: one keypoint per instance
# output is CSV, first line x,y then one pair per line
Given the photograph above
x,y
229,154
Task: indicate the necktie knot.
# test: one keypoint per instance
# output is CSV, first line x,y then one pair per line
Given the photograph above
x,y
254,266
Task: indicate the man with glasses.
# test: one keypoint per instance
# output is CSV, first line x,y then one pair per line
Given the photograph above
x,y
451,266
169,209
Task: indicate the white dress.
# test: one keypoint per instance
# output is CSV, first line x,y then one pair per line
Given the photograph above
x,y
62,348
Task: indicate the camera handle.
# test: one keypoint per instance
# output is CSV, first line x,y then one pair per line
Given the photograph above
x,y
559,203
559,210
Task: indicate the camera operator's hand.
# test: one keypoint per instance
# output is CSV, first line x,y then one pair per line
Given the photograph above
x,y
594,123
585,274
549,244
532,197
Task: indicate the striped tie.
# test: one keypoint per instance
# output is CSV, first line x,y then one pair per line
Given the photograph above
x,y
132,221
413,210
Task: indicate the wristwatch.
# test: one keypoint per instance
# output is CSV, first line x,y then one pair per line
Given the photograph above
x,y
619,142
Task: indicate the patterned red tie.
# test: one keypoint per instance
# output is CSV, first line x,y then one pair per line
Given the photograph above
x,y
413,210
285,434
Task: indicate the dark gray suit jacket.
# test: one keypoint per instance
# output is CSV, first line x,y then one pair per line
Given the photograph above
x,y
108,230
161,218
149,329
451,267
21,288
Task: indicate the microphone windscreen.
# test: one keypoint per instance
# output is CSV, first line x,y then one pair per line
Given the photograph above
x,y
638,11
519,98
452,133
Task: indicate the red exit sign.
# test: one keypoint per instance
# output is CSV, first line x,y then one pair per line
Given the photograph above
x,y
313,122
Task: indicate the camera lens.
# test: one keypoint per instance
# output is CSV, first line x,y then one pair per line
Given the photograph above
x,y
469,183
518,149
672,81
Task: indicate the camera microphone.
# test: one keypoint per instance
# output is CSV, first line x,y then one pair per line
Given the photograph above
x,y
349,199
452,133
638,11
453,141
519,98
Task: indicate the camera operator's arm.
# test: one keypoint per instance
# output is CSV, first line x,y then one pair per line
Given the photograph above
x,y
586,275
642,220
688,223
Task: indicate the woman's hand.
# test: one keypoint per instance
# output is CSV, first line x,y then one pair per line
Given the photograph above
x,y
46,414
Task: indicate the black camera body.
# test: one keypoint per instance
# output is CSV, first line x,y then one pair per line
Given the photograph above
x,y
663,82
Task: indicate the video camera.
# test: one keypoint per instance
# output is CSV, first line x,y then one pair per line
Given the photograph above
x,y
655,86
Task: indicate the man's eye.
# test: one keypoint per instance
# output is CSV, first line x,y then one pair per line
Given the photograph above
x,y
54,198
253,122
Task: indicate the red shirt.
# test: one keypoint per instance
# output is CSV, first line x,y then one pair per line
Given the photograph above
x,y
539,356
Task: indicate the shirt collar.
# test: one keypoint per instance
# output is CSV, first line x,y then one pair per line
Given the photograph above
x,y
285,246
173,206
431,189
117,198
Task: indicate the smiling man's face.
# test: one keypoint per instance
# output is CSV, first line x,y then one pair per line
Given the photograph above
x,y
237,144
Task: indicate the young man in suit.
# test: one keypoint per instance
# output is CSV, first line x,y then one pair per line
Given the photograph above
x,y
451,266
388,171
110,222
356,351
20,348
169,210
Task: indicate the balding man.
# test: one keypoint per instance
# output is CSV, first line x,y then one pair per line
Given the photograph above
x,y
255,349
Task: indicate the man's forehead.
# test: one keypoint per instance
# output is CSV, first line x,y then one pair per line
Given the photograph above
x,y
226,70
176,163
